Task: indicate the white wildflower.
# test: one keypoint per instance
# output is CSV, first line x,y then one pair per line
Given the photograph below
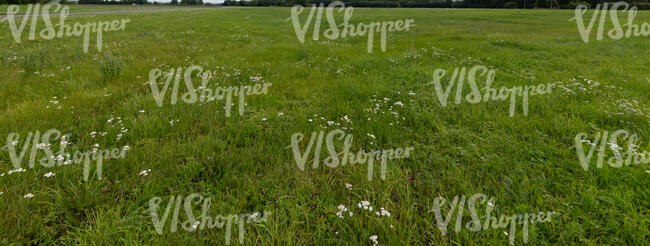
x,y
373,238
384,212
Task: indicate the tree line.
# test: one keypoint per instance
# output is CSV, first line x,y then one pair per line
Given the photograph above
x,y
565,4
108,2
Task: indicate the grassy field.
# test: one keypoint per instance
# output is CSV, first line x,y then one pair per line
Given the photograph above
x,y
527,163
88,8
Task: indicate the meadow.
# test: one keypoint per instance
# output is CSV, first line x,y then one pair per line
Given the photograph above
x,y
528,163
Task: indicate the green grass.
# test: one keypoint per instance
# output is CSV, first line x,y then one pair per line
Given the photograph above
x,y
89,8
242,163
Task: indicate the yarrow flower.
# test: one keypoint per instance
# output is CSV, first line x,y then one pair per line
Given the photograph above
x,y
373,238
196,225
342,209
255,215
383,212
365,205
19,170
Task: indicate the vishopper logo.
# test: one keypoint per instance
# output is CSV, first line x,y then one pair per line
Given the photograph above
x,y
617,32
347,156
491,94
61,158
601,142
491,220
64,30
205,220
333,31
203,93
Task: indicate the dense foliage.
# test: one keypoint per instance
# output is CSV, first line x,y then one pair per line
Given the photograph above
x,y
434,3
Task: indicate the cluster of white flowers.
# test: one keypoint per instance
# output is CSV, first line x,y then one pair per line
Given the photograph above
x,y
581,85
365,205
95,147
343,209
145,172
374,240
19,170
343,122
55,103
384,106
255,215
112,123
632,107
195,225
383,212
94,134
42,145
50,174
